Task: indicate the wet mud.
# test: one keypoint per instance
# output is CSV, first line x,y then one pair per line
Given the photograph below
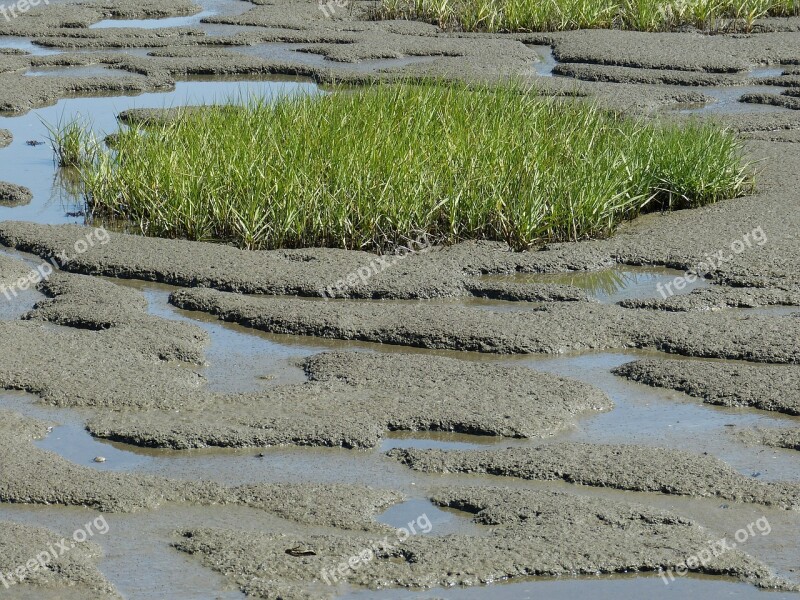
x,y
521,526
627,467
726,384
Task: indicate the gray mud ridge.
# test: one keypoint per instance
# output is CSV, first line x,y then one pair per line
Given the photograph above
x,y
550,328
783,100
92,304
634,75
30,475
74,574
788,438
624,467
717,298
528,533
440,272
5,138
352,399
766,387
12,194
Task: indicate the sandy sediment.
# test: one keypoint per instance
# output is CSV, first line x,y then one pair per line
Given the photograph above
x,y
5,138
764,387
625,467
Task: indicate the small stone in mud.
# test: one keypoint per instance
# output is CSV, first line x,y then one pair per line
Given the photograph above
x,y
99,459
12,194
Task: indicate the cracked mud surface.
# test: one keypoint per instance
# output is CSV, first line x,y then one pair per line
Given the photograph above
x,y
134,372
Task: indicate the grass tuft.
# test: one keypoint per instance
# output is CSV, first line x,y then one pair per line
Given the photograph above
x,y
375,167
73,142
560,15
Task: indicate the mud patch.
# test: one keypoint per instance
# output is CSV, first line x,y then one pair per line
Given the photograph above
x,y
726,384
14,195
776,438
72,575
351,399
554,328
625,467
528,533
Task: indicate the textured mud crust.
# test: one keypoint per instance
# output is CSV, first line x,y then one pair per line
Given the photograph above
x,y
726,384
634,468
718,298
551,328
14,195
75,572
5,138
530,533
89,303
788,438
781,100
351,399
34,476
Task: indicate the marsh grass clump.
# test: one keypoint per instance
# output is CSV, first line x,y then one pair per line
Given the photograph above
x,y
560,15
374,167
73,142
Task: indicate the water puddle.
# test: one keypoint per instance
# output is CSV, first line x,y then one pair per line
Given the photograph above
x,y
237,360
666,418
55,198
546,63
419,516
765,72
186,21
621,282
21,43
727,100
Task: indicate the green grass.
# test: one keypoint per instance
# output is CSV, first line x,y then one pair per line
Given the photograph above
x,y
559,15
73,142
375,167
